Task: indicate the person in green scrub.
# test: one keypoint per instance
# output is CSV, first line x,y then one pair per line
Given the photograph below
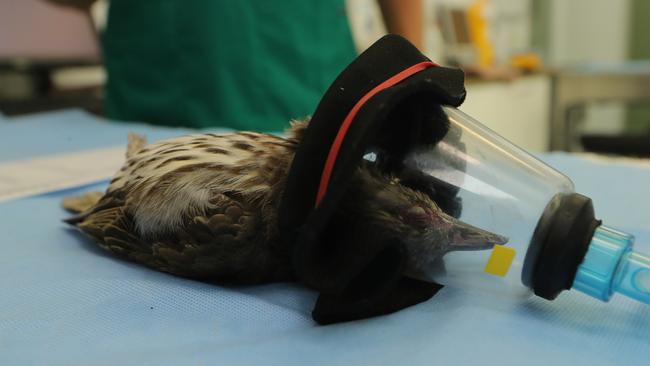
x,y
245,64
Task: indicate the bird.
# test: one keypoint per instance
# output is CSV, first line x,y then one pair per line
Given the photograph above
x,y
205,207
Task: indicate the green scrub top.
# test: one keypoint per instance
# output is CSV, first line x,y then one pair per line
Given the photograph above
x,y
244,64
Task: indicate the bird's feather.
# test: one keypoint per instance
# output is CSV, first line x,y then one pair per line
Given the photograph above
x,y
206,207
200,206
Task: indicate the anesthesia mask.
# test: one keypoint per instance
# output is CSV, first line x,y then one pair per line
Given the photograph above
x,y
395,110
554,243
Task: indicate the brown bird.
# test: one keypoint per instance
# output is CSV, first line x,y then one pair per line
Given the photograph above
x,y
206,207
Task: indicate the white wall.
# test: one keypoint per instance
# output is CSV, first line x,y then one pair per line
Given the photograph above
x,y
586,31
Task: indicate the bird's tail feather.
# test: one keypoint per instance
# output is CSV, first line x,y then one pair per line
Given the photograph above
x,y
81,203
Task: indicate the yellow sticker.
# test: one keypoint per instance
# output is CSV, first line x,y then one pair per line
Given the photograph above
x,y
500,260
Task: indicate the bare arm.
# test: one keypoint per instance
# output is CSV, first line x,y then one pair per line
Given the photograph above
x,y
404,17
79,4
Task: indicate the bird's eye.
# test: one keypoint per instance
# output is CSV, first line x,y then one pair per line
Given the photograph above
x,y
371,157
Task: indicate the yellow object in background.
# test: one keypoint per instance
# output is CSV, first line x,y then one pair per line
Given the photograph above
x,y
500,260
478,30
526,61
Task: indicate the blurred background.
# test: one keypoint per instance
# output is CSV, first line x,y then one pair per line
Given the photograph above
x,y
547,74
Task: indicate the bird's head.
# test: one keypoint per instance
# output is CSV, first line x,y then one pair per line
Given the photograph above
x,y
413,217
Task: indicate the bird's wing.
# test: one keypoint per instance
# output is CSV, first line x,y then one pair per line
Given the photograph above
x,y
225,243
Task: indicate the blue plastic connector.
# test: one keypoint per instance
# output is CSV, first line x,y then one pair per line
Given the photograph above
x,y
611,266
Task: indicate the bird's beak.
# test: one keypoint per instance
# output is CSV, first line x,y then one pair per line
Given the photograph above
x,y
463,236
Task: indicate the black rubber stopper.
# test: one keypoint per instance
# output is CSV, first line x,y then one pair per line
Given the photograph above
x,y
559,244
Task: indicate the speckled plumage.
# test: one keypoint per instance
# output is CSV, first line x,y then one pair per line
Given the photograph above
x,y
199,206
206,207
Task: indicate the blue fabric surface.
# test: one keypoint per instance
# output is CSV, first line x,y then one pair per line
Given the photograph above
x,y
65,302
69,131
